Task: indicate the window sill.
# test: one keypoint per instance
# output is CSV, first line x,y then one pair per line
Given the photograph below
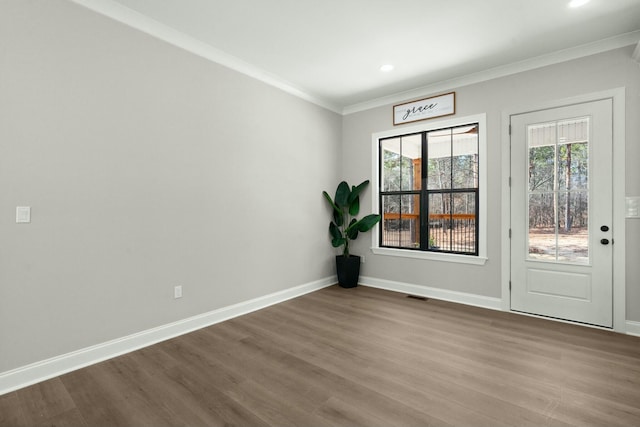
x,y
434,256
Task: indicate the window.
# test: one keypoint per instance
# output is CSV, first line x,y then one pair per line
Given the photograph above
x,y
429,191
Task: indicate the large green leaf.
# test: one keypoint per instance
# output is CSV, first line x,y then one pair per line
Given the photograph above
x,y
328,197
336,243
338,217
334,230
352,230
352,233
368,222
342,195
355,191
354,206
337,212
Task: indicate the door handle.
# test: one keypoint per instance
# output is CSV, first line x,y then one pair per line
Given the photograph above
x,y
604,241
604,228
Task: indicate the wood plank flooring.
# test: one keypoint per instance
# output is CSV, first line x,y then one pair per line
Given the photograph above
x,y
354,357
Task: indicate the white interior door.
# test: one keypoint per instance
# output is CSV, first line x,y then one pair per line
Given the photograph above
x,y
561,213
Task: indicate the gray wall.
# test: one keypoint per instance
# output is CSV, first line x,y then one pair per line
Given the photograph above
x,y
595,73
145,167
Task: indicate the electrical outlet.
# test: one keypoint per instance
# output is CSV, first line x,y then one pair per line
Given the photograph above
x,y
177,291
362,260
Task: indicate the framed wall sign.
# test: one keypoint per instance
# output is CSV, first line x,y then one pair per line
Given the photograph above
x,y
423,109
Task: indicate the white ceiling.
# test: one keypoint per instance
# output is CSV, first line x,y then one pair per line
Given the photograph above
x,y
330,51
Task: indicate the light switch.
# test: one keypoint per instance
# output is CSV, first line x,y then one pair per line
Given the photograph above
x,y
633,207
23,214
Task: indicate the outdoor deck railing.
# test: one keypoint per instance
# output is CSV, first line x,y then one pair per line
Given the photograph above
x,y
455,233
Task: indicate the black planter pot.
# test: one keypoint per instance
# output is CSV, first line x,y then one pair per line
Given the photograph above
x,y
348,269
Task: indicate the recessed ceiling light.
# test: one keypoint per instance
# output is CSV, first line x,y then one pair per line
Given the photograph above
x,y
577,3
386,68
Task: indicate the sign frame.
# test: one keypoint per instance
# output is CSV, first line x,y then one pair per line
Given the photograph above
x,y
424,109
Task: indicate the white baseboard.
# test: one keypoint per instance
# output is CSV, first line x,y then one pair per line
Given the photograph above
x,y
633,328
51,368
437,293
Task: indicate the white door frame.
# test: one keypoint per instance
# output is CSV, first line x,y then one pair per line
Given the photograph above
x,y
618,225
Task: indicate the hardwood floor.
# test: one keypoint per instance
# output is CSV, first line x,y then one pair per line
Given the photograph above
x,y
351,357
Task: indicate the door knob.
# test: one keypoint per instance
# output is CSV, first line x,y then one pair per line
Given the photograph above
x,y
604,228
604,241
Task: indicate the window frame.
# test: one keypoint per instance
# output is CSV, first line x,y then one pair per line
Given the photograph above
x,y
481,257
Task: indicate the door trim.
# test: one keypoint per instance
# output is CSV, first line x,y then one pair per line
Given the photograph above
x,y
619,281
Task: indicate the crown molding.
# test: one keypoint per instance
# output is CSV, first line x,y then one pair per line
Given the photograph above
x,y
137,20
506,70
163,32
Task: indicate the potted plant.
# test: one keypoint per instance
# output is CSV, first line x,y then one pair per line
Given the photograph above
x,y
345,227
